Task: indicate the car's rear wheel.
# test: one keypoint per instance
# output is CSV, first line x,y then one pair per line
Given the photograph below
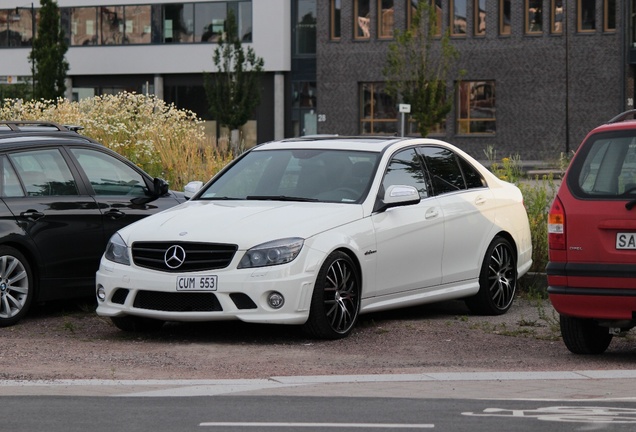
x,y
497,280
137,324
335,303
16,286
584,336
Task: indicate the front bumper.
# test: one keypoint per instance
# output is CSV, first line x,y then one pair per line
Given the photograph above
x,y
240,294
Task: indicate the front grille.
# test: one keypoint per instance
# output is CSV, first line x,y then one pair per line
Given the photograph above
x,y
198,256
177,302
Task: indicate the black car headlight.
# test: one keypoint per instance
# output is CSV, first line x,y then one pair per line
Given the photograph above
x,y
272,253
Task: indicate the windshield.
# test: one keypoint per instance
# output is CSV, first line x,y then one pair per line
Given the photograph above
x,y
297,175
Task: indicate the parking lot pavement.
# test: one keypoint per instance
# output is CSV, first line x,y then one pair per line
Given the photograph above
x,y
592,385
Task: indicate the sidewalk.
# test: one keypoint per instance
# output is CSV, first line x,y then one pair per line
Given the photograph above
x,y
599,385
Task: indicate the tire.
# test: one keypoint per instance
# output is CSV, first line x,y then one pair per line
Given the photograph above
x,y
497,280
130,323
335,302
16,286
584,336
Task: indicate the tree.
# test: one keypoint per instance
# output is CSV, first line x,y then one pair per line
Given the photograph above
x,y
234,92
47,56
418,64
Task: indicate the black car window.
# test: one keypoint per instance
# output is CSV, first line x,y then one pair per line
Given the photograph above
x,y
444,169
108,175
471,175
405,168
44,172
10,183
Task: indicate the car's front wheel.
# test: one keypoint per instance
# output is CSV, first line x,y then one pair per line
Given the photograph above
x,y
497,280
584,336
137,324
335,303
16,286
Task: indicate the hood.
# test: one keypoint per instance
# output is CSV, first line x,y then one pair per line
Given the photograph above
x,y
244,223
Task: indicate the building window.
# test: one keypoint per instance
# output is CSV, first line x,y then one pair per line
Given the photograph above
x,y
178,23
209,25
586,15
476,107
556,16
336,7
112,25
305,27
84,29
534,16
480,17
504,17
362,19
458,17
436,4
609,15
137,28
385,18
378,113
16,27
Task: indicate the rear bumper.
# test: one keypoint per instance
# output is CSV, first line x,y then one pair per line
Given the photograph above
x,y
597,303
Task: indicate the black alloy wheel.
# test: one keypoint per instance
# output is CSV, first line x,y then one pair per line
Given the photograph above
x,y
335,302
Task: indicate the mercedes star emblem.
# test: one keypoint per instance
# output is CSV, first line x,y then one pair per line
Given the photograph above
x,y
174,257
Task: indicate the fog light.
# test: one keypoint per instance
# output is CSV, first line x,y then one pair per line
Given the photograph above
x,y
275,300
101,293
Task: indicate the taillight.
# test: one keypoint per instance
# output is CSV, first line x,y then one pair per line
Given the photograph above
x,y
556,225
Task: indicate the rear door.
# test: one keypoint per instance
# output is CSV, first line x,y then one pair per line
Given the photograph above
x,y
600,211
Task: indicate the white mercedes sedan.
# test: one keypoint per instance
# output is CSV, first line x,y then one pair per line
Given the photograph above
x,y
315,231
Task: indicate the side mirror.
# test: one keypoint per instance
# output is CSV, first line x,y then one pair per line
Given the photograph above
x,y
397,196
192,188
159,188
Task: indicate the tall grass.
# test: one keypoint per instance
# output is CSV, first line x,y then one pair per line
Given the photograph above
x,y
161,139
538,194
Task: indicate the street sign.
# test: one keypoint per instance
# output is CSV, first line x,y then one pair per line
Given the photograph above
x,y
405,108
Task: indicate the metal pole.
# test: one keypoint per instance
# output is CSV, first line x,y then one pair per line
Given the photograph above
x,y
32,45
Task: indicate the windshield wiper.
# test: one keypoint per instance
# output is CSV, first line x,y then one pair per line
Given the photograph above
x,y
280,198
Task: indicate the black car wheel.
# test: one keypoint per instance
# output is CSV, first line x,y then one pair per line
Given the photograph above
x,y
497,280
584,336
16,286
335,303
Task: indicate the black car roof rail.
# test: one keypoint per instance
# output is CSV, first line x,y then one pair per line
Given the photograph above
x,y
623,116
33,125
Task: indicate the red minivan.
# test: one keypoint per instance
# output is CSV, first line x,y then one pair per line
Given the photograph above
x,y
592,239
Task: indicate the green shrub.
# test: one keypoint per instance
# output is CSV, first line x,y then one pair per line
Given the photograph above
x,y
161,139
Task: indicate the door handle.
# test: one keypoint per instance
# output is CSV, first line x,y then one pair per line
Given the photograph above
x,y
480,200
32,214
431,213
115,214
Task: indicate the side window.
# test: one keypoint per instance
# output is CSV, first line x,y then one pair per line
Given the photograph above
x,y
471,175
10,182
405,168
109,176
44,173
444,169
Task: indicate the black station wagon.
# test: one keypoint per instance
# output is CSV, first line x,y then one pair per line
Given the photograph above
x,y
62,195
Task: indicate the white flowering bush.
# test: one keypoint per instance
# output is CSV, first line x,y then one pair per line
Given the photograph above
x,y
161,139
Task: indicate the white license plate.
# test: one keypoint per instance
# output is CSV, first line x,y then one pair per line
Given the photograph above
x,y
197,283
625,240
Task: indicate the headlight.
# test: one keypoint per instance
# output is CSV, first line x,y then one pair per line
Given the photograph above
x,y
272,253
116,250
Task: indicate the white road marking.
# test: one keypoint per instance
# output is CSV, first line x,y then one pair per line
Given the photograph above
x,y
320,425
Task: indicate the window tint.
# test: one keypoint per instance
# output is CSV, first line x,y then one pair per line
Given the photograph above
x,y
405,168
471,175
109,176
608,168
445,172
10,183
44,172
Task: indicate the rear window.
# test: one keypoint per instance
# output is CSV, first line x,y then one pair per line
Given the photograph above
x,y
605,167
